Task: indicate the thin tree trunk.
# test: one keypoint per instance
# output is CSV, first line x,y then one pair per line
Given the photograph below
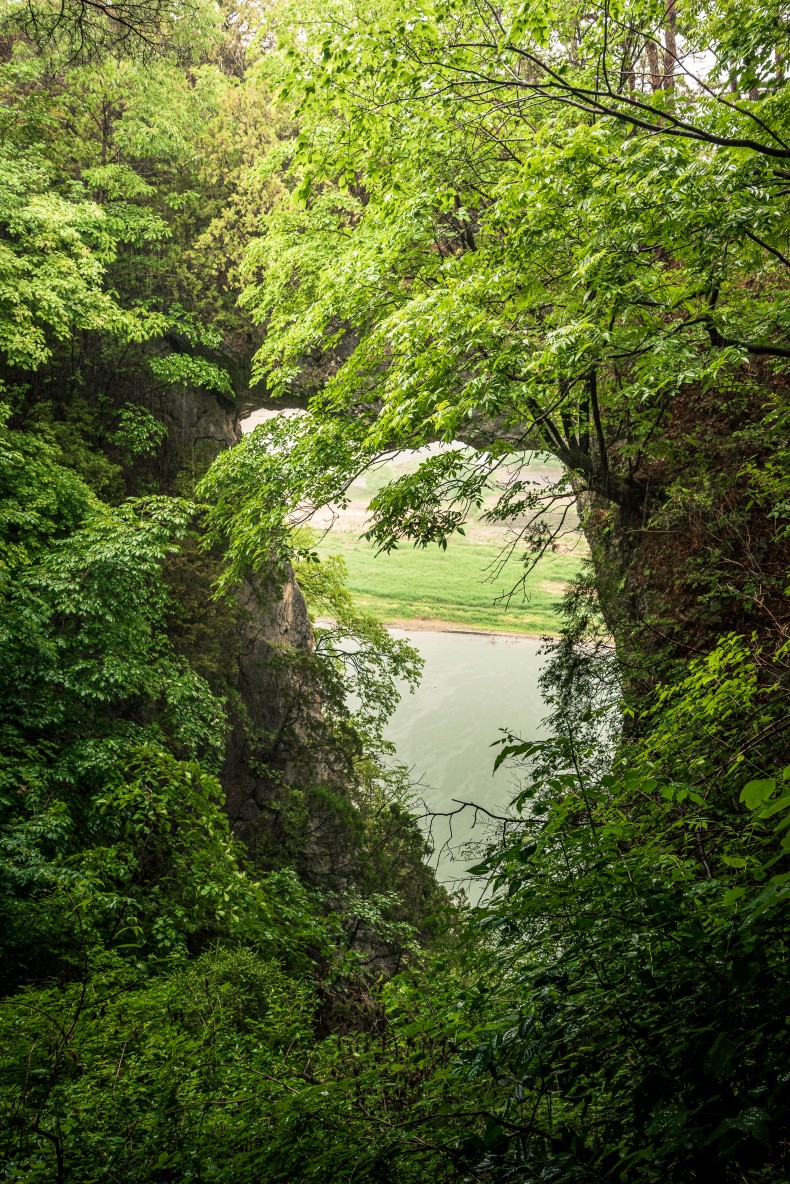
x,y
670,53
652,61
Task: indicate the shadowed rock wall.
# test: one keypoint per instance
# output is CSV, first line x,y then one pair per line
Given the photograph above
x,y
266,640
274,632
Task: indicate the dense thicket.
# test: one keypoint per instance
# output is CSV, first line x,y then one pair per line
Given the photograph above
x,y
522,226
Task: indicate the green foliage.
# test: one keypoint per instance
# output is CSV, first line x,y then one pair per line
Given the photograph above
x,y
152,1048
136,941
505,228
651,916
139,433
52,265
183,370
89,684
120,194
353,650
617,1006
259,491
490,264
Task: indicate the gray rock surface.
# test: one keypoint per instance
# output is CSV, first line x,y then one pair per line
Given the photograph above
x,y
276,699
273,630
199,426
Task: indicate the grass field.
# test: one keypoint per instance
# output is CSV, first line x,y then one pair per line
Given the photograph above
x,y
456,587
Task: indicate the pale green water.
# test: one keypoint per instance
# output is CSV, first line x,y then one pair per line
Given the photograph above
x,y
473,685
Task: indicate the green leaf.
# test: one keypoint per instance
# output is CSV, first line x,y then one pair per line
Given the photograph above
x,y
775,807
754,793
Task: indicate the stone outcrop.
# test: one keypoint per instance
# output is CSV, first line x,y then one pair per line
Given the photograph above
x,y
264,641
199,426
274,633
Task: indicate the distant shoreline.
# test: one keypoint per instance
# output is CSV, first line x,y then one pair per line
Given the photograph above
x,y
431,625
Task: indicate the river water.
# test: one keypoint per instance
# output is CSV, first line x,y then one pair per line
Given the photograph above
x,y
473,686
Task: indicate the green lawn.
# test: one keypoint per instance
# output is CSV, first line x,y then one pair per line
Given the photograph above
x,y
456,586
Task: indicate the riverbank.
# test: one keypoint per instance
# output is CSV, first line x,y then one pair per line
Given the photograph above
x,y
432,625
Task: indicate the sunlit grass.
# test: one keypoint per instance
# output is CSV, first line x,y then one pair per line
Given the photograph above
x,y
459,586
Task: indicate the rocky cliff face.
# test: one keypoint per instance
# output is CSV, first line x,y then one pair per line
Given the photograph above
x,y
199,426
266,645
272,640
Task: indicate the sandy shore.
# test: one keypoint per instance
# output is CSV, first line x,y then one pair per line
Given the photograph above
x,y
431,625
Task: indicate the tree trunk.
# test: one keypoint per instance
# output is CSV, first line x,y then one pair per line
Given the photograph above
x,y
652,60
670,53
